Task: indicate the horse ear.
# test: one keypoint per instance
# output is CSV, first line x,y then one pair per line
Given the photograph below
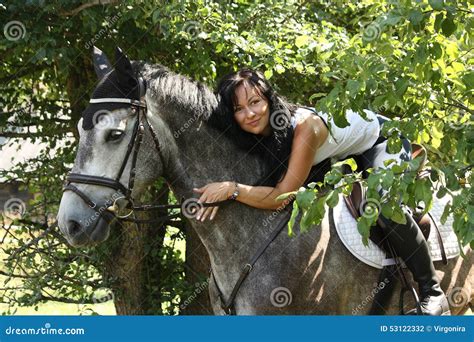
x,y
124,68
101,63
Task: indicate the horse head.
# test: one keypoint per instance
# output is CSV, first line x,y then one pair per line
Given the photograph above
x,y
111,131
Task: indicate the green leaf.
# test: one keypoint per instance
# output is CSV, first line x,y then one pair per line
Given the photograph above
x,y
415,16
353,87
373,181
436,4
291,222
436,50
351,162
333,177
398,216
401,86
446,213
468,80
268,74
392,19
364,229
156,16
387,210
279,68
438,20
448,27
388,179
304,198
285,195
302,41
319,210
332,198
441,192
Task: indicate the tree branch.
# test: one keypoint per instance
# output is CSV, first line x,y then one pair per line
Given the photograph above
x,y
34,135
87,5
65,300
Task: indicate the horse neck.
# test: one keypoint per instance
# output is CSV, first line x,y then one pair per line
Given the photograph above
x,y
238,230
197,154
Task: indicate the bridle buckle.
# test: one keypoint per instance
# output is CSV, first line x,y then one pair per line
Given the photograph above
x,y
115,209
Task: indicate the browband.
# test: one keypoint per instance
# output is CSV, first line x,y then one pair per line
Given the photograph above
x,y
141,91
118,100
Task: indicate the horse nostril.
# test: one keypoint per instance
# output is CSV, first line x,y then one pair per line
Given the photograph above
x,y
74,227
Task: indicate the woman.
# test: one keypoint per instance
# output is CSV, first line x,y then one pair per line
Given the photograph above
x,y
291,140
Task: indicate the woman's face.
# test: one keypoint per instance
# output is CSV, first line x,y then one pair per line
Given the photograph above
x,y
251,111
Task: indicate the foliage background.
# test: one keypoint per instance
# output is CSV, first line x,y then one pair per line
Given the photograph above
x,y
410,60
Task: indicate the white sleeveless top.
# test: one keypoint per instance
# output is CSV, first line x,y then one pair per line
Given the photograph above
x,y
356,138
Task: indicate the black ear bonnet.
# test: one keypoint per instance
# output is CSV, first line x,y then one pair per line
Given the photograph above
x,y
118,87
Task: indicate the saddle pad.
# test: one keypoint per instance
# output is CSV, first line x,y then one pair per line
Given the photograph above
x,y
372,255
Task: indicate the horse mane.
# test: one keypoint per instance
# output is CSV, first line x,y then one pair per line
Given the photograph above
x,y
178,91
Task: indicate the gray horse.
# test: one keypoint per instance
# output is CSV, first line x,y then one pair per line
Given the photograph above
x,y
310,273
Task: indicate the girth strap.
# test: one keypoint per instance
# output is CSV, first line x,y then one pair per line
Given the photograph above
x,y
228,305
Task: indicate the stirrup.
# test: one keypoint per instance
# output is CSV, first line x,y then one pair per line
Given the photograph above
x,y
412,290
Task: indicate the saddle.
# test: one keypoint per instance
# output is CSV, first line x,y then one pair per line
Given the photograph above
x,y
357,197
392,266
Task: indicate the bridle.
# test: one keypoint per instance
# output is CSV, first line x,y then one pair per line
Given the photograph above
x,y
109,210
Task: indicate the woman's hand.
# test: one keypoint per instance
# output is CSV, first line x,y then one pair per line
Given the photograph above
x,y
213,192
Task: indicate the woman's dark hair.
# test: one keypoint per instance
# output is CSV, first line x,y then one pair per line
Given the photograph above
x,y
274,149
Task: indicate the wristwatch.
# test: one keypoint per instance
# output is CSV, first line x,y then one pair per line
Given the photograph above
x,y
235,193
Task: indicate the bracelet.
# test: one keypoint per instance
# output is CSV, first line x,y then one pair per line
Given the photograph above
x,y
235,193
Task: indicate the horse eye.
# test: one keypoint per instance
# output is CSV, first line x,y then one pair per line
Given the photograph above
x,y
114,135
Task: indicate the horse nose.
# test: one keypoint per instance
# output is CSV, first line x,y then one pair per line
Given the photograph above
x,y
76,234
73,227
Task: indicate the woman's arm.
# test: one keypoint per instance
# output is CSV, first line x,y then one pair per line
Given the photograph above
x,y
309,135
305,143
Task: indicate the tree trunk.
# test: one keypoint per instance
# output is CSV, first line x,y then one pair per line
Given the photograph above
x,y
197,273
133,266
130,261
